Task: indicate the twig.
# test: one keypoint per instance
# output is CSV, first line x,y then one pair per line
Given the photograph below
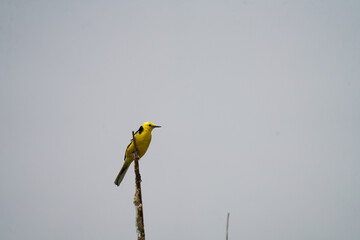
x,y
137,197
227,225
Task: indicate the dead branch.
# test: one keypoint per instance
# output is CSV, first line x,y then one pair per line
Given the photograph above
x,y
138,197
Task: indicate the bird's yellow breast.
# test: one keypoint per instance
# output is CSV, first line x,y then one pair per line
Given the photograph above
x,y
142,140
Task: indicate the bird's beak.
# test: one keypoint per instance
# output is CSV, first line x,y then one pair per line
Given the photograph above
x,y
156,126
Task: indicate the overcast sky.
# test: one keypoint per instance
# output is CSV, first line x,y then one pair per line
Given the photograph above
x,y
259,103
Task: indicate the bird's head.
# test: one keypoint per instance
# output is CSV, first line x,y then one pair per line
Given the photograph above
x,y
149,126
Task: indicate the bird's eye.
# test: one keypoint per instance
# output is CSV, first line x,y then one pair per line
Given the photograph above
x,y
149,125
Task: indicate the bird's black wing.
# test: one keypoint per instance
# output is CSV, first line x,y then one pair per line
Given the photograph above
x,y
140,130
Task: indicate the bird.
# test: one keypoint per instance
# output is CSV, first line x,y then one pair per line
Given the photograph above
x,y
142,141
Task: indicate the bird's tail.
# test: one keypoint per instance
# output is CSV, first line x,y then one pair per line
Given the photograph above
x,y
122,172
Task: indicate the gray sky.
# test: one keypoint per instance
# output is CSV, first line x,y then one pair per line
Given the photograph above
x,y
259,103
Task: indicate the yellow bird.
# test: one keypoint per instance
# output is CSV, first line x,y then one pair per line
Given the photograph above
x,y
142,140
